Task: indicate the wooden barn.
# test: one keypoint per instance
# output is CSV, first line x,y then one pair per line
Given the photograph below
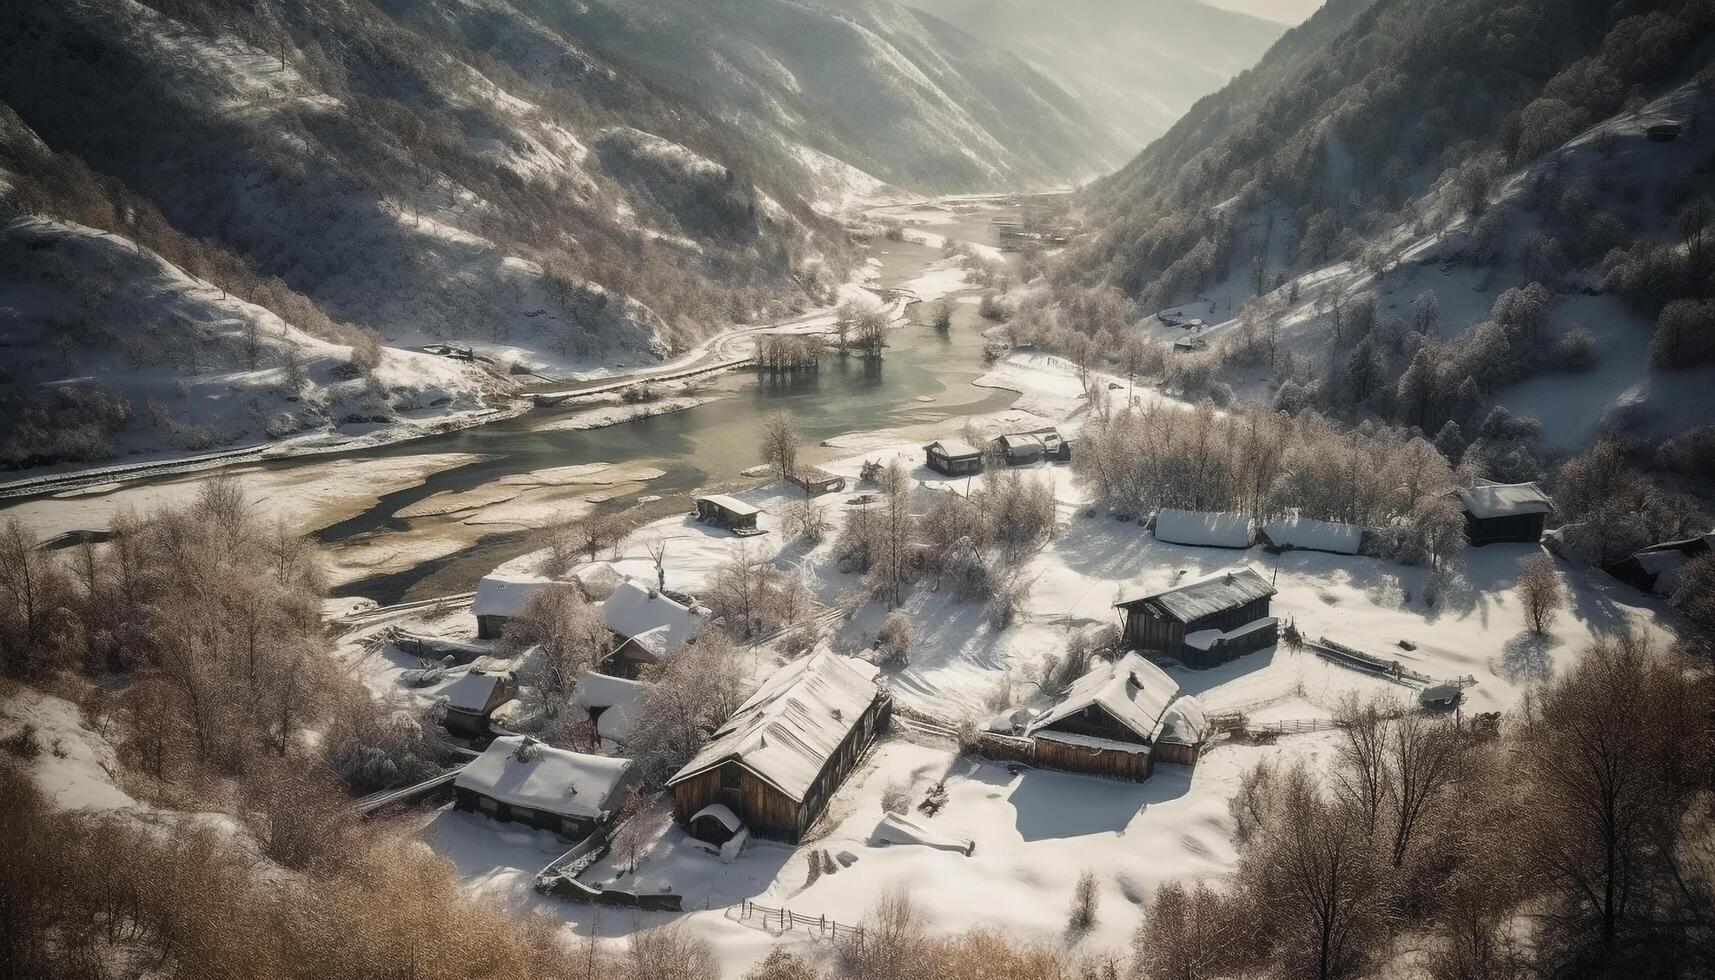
x,y
784,752
471,700
1501,512
1118,721
1206,621
951,457
499,598
520,779
728,512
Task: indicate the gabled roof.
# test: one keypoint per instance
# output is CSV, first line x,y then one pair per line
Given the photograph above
x,y
789,729
1022,440
1131,689
618,697
542,777
731,505
473,692
953,448
1504,500
634,609
505,595
1190,601
1209,529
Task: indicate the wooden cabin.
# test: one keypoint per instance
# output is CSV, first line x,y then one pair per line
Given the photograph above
x,y
1206,621
1504,512
815,482
470,701
1658,567
520,779
648,626
499,598
952,457
728,512
777,760
1118,721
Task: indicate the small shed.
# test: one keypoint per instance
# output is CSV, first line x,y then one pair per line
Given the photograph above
x,y
1657,568
648,625
1114,720
1206,621
499,597
521,779
953,457
728,512
1020,448
470,701
1500,512
613,704
815,482
780,757
1204,529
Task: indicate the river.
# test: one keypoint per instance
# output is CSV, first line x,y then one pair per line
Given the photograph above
x,y
924,377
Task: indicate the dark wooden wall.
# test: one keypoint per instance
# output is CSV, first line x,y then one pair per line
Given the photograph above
x,y
1111,763
1095,721
1176,753
1522,528
574,828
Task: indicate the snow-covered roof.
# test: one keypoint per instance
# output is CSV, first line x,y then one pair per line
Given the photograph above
x,y
1093,742
1132,690
1022,440
598,580
786,731
473,691
1209,529
1225,589
731,505
542,777
952,448
634,609
895,829
1504,500
620,699
720,812
1314,535
505,595
1185,721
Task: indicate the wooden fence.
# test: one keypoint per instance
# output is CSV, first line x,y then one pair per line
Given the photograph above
x,y
786,920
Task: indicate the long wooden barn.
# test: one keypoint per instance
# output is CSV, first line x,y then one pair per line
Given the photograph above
x,y
1118,721
1206,621
783,753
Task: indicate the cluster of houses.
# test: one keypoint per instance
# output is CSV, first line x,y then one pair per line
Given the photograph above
x,y
955,457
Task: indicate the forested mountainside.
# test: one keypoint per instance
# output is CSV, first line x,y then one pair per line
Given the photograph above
x,y
1417,211
1137,66
905,97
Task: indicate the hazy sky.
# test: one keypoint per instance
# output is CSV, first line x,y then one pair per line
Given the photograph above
x,y
1285,11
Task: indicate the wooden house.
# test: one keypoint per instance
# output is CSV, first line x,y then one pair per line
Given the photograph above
x,y
728,512
1501,512
648,626
1024,448
1206,621
952,457
1657,568
520,779
1119,720
777,760
500,597
470,701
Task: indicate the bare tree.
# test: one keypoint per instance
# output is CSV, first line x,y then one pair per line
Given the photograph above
x,y
1361,779
1539,591
896,526
1187,934
780,444
1085,896
657,550
1422,757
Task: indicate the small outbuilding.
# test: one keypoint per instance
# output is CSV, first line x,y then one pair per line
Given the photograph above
x,y
521,779
815,482
500,597
1305,534
1117,721
1657,568
1503,512
729,512
1204,529
1024,448
648,625
1206,621
775,763
470,701
613,704
953,457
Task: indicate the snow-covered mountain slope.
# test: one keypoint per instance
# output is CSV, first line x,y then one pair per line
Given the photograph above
x,y
1137,66
111,351
908,99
